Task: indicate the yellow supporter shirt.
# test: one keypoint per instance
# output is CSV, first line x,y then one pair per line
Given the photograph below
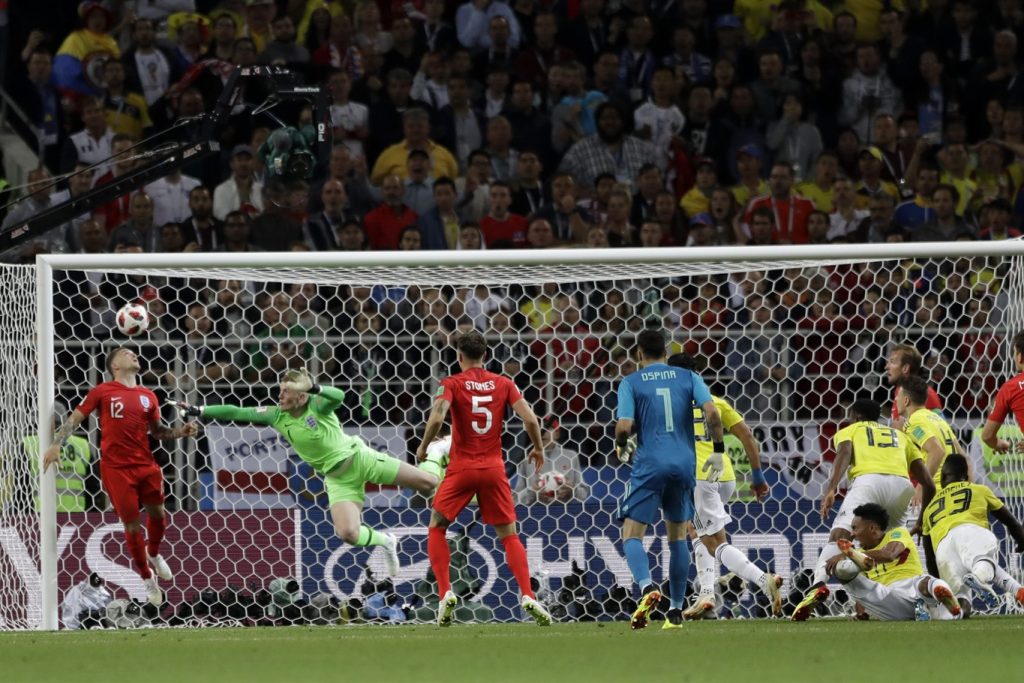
x,y
743,194
906,566
922,426
965,187
392,161
864,195
694,202
730,418
877,449
822,198
959,503
128,115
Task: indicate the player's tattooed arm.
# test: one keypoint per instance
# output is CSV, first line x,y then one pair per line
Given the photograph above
x,y
52,454
68,428
434,423
162,432
715,463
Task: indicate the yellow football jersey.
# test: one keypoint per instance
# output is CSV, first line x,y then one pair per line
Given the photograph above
x,y
959,503
925,424
730,418
877,449
906,566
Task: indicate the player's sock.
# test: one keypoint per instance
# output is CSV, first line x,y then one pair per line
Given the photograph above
x,y
368,536
738,563
830,550
440,558
678,572
707,570
155,527
515,556
984,570
136,543
636,558
1004,583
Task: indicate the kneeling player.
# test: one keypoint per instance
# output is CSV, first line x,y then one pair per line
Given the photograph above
x,y
710,543
885,574
957,537
880,459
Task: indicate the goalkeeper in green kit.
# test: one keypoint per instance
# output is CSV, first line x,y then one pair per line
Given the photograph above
x,y
305,417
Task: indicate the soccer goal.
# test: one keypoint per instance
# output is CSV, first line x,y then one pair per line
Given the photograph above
x,y
788,335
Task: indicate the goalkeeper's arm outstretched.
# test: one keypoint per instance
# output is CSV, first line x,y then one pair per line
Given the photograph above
x,y
305,416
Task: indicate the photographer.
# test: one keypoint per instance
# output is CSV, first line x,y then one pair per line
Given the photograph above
x,y
85,604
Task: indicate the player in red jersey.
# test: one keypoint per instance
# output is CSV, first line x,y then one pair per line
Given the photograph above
x,y
129,415
905,360
477,399
1009,399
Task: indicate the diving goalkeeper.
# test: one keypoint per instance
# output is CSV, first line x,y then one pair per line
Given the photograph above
x,y
305,417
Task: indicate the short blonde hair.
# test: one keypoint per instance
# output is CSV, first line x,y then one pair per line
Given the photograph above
x,y
296,375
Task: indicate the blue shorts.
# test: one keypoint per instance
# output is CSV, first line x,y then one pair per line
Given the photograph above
x,y
643,499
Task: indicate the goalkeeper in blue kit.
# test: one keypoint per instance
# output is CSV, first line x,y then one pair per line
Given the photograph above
x,y
659,399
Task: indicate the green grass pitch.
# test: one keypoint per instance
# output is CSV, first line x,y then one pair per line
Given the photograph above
x,y
975,651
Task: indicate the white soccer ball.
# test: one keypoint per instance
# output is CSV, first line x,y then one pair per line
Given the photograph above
x,y
846,571
550,482
438,450
133,319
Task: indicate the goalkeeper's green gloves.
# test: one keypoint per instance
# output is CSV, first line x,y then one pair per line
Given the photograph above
x,y
186,411
303,384
625,452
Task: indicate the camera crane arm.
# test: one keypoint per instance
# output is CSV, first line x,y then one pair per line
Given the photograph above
x,y
184,153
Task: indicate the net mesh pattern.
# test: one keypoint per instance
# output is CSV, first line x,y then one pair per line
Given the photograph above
x,y
19,527
789,343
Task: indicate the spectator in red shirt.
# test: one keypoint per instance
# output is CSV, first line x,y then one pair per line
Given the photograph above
x,y
1009,399
791,212
384,224
499,225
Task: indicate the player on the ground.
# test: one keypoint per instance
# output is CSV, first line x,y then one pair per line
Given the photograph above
x,y
1009,399
958,543
129,415
707,533
305,416
477,400
659,399
893,580
906,361
928,430
880,460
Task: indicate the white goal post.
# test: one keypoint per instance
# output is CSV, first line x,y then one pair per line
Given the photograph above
x,y
633,273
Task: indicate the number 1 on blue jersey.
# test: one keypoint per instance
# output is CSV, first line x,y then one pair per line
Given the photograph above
x,y
666,397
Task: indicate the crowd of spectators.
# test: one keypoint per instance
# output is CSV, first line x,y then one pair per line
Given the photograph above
x,y
587,123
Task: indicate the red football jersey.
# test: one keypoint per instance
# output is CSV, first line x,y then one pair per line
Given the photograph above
x,y
933,402
1010,399
125,414
478,399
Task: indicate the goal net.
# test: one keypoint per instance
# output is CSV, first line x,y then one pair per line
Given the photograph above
x,y
790,336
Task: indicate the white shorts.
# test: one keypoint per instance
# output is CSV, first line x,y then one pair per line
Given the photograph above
x,y
892,492
959,550
894,602
709,501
